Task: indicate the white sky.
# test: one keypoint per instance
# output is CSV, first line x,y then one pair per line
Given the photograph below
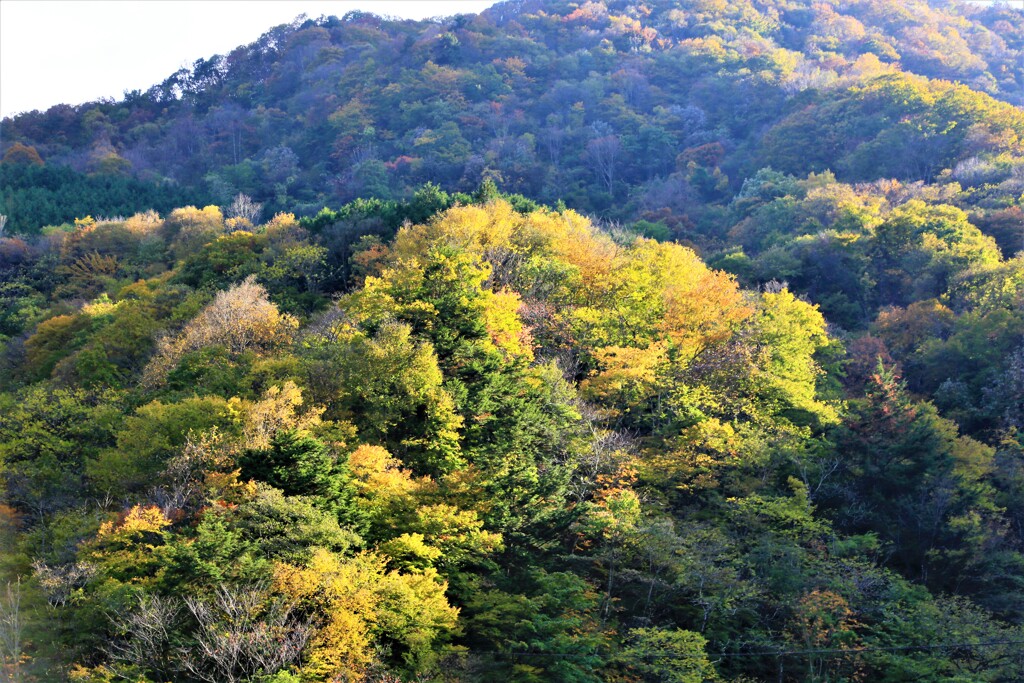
x,y
74,51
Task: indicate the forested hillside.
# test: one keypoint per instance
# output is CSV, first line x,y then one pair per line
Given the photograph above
x,y
618,108
666,341
494,443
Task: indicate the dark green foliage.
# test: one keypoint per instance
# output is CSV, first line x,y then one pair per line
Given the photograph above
x,y
301,465
286,527
542,631
210,371
36,196
907,476
48,436
215,553
522,430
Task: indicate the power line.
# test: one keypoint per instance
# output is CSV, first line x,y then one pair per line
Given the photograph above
x,y
672,654
859,650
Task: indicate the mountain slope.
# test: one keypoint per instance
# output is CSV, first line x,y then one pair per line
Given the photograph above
x,y
603,105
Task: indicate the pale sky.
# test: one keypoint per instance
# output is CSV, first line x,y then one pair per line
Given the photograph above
x,y
74,51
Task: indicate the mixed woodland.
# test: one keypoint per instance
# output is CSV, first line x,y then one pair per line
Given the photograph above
x,y
607,341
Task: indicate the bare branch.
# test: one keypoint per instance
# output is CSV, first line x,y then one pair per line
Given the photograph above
x,y
12,629
144,635
241,632
244,207
58,583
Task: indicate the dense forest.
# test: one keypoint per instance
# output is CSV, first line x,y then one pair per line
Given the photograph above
x,y
607,341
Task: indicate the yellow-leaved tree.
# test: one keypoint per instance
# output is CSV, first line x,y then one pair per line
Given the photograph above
x,y
360,606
